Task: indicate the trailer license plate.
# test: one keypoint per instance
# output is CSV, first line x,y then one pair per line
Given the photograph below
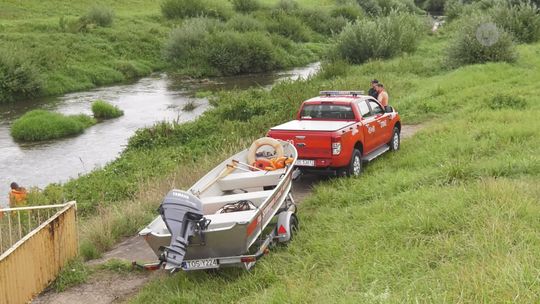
x,y
305,162
200,264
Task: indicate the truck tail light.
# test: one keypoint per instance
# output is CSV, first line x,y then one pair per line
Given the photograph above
x,y
336,145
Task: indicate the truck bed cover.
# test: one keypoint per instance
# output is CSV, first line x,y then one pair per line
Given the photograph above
x,y
313,125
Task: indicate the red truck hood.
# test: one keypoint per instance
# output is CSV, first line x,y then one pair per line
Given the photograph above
x,y
313,125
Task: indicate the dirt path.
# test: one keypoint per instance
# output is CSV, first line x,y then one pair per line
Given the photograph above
x,y
106,288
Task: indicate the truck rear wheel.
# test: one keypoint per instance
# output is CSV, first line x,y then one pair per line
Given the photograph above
x,y
355,166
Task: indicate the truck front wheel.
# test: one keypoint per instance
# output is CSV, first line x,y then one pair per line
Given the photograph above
x,y
355,166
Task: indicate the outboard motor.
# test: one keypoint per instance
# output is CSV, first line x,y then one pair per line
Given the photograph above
x,y
183,214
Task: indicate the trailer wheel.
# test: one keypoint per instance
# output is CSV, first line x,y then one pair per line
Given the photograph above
x,y
287,227
293,226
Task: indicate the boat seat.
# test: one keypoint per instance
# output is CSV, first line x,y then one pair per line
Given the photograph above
x,y
247,180
224,220
211,204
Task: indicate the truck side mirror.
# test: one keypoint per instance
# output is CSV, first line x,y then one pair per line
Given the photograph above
x,y
388,109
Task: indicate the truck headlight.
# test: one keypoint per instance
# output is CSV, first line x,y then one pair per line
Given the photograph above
x,y
336,148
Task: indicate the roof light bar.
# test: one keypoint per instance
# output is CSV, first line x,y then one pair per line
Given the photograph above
x,y
337,93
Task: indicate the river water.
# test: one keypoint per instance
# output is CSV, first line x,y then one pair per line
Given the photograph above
x,y
149,100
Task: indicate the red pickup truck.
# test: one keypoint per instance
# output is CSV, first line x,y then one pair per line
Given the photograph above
x,y
338,130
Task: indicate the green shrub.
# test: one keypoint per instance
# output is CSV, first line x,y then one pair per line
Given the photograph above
x,y
351,12
132,69
39,125
436,6
100,15
322,22
244,109
453,9
287,5
503,101
333,69
479,40
18,78
246,6
371,7
404,6
196,8
383,37
105,110
234,53
245,23
184,41
521,20
290,27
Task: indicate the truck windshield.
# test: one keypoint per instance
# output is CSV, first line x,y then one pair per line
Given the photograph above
x,y
327,111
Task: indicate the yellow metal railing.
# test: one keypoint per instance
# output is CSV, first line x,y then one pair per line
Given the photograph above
x,y
36,243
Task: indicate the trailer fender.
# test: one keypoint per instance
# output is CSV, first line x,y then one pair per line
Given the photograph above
x,y
286,226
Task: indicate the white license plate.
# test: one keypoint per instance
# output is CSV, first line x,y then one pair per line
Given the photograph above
x,y
200,264
305,162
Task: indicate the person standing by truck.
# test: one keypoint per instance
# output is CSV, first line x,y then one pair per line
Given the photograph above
x,y
373,90
383,95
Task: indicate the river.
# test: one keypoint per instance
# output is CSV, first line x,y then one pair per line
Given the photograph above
x,y
145,102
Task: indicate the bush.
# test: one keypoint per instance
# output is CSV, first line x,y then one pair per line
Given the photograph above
x,y
289,26
105,110
246,6
234,53
522,20
404,6
39,125
18,78
436,6
480,41
384,37
184,41
371,7
172,9
351,12
100,15
331,70
453,9
502,101
322,22
287,5
244,23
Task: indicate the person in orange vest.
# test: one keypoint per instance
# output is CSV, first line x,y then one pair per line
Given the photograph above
x,y
17,195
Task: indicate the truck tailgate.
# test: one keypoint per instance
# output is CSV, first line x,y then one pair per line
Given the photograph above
x,y
309,144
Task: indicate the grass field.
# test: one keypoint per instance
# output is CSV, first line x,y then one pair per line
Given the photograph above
x,y
452,217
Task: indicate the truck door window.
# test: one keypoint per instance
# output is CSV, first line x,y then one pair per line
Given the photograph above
x,y
364,109
327,111
376,109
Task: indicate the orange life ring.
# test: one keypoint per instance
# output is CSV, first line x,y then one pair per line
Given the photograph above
x,y
265,141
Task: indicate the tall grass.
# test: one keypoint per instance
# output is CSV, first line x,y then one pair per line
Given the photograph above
x,y
40,125
104,110
196,8
246,6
